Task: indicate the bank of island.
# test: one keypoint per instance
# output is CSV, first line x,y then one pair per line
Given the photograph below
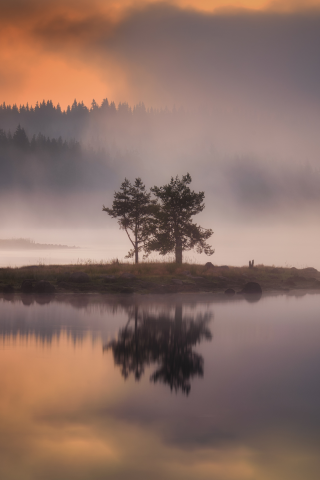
x,y
152,277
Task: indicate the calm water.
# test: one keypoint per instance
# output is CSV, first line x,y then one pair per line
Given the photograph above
x,y
179,387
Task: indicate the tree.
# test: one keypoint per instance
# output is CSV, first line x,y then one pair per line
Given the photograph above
x,y
165,342
133,206
20,138
175,231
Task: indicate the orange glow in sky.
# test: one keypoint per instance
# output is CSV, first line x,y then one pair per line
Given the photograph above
x,y
50,50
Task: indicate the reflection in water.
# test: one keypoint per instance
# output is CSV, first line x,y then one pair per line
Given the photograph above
x,y
47,317
66,413
165,341
252,297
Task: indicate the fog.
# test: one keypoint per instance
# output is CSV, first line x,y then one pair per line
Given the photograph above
x,y
232,98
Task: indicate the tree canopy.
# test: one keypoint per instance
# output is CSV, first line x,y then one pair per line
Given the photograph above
x,y
174,230
163,225
133,207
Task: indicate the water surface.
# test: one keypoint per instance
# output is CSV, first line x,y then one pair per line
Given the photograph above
x,y
186,386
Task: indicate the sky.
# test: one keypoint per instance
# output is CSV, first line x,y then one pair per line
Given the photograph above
x,y
141,51
253,66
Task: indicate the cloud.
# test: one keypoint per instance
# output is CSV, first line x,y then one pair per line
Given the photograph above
x,y
201,55
170,55
258,73
172,52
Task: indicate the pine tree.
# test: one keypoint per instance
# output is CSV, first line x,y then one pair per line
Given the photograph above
x,y
133,207
20,138
174,230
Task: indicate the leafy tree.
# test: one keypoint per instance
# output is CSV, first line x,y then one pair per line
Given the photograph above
x,y
133,206
175,231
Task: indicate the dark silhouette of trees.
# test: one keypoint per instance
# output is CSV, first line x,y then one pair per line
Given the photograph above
x,y
3,138
106,124
50,163
164,227
174,230
125,132
133,207
38,143
20,138
166,342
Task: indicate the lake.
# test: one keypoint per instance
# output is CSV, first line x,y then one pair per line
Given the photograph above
x,y
174,387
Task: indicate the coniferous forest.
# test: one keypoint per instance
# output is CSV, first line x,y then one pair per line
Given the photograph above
x,y
81,149
101,125
43,163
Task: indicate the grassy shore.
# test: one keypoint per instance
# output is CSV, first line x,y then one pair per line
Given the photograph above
x,y
157,278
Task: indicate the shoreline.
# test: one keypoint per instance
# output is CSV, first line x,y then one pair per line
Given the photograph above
x,y
153,278
170,300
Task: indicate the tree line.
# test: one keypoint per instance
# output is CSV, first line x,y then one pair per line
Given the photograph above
x,y
42,162
20,140
163,224
46,109
72,121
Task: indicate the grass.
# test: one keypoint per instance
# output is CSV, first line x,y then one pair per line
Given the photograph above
x,y
152,274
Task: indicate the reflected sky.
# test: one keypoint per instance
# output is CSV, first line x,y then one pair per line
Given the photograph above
x,y
66,410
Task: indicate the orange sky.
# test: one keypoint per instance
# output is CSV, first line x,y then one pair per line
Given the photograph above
x,y
50,50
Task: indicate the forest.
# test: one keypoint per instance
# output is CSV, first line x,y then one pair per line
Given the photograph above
x,y
81,149
48,163
99,124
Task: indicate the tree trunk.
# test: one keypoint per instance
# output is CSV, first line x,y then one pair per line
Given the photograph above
x,y
136,253
179,251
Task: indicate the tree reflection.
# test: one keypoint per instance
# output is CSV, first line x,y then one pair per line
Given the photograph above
x,y
165,341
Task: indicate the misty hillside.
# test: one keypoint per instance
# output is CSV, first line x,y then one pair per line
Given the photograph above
x,y
100,126
43,163
86,151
